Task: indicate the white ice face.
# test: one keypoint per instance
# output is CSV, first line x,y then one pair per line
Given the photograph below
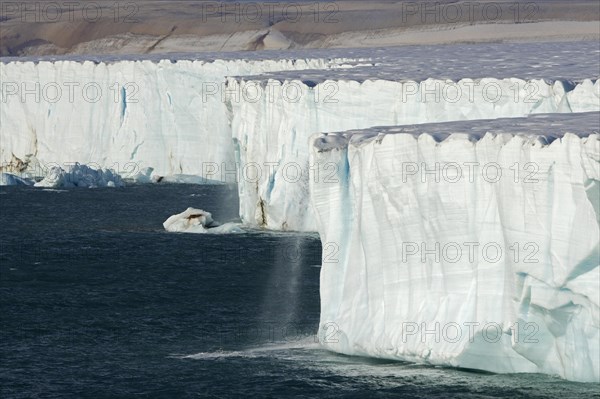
x,y
469,244
278,111
124,115
272,134
180,117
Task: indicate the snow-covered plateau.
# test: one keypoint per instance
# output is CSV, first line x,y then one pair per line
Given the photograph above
x,y
469,244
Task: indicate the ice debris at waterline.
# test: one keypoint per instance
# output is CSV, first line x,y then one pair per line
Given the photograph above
x,y
143,176
469,244
77,175
8,179
194,220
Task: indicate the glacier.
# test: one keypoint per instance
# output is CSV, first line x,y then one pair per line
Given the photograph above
x,y
251,118
470,244
273,134
125,114
272,125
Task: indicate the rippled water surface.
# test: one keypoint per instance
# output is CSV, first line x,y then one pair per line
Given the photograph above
x,y
98,301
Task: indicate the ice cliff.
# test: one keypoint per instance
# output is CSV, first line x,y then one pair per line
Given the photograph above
x,y
472,243
180,115
468,244
271,134
124,114
278,111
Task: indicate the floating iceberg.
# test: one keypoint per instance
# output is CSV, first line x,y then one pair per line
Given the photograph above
x,y
467,244
198,221
77,175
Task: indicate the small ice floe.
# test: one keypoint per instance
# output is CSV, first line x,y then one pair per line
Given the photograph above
x,y
198,221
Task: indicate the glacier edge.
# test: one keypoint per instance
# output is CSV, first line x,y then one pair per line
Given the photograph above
x,y
402,284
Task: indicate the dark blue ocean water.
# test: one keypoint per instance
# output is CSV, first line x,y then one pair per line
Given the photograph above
x,y
98,301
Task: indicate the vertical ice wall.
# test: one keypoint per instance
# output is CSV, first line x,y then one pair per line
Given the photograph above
x,y
273,120
169,115
464,245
